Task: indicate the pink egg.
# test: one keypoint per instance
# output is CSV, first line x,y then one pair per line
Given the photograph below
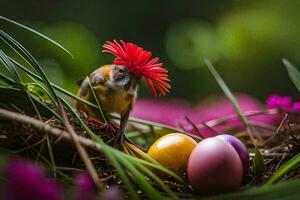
x,y
214,167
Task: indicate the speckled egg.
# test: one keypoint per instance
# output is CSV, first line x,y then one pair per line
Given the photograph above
x,y
173,151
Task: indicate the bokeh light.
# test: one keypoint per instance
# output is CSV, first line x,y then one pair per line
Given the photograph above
x,y
188,42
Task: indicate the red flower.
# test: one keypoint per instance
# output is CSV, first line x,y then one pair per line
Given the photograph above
x,y
139,62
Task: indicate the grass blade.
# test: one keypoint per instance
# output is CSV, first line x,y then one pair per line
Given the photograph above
x,y
51,156
20,99
34,106
37,33
153,164
22,52
290,165
283,191
7,80
140,179
43,89
58,88
104,117
150,123
294,74
258,164
40,102
150,174
227,92
123,175
230,97
9,66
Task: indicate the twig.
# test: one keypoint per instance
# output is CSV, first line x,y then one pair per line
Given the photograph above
x,y
81,151
279,163
281,123
31,146
193,125
277,130
269,154
107,178
68,169
182,127
210,128
261,125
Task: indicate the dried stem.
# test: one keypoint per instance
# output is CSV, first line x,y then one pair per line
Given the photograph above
x,y
81,151
193,125
281,123
269,154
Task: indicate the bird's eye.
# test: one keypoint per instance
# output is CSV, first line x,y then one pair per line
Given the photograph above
x,y
121,71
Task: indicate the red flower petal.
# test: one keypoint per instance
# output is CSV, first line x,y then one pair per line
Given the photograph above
x,y
139,62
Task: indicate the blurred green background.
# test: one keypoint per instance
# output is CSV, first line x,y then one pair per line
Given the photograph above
x,y
244,39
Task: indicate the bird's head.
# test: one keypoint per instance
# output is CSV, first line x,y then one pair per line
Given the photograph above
x,y
132,63
121,78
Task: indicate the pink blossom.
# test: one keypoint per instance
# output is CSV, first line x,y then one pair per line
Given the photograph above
x,y
168,112
296,106
28,181
283,102
277,101
84,187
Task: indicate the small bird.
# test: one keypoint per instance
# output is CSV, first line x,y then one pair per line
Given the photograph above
x,y
115,88
116,85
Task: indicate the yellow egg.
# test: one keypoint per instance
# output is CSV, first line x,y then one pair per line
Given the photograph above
x,y
173,151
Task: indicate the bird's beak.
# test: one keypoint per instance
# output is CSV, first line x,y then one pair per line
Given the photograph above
x,y
133,81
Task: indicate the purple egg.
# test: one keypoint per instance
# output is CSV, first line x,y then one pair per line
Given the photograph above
x,y
240,148
214,167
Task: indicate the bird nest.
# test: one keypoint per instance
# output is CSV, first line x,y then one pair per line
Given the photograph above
x,y
59,152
